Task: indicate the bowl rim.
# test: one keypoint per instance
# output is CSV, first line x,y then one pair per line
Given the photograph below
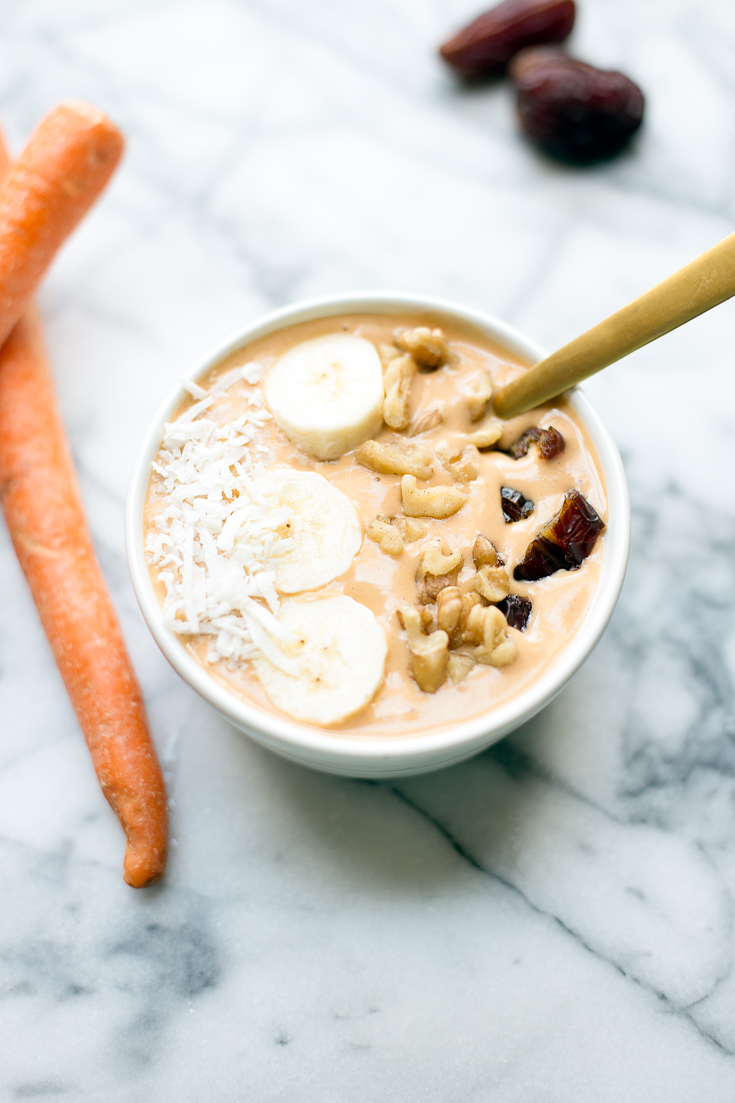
x,y
314,747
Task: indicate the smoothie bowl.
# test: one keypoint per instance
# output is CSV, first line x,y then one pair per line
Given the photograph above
x,y
335,542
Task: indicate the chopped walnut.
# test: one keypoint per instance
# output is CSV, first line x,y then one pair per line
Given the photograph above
x,y
429,654
397,381
435,561
484,552
449,609
435,572
426,420
427,346
463,462
469,601
434,501
479,393
459,666
452,610
487,628
387,354
492,583
385,535
395,459
409,528
486,436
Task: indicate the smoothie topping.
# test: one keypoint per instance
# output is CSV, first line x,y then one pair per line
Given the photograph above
x,y
427,346
391,534
426,420
398,375
514,506
492,583
517,611
395,459
433,501
429,654
488,628
385,535
550,443
216,538
461,461
564,542
327,394
487,436
479,392
435,571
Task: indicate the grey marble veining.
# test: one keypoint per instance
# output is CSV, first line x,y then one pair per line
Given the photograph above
x,y
549,923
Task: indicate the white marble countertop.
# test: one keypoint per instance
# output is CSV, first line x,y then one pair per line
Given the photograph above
x,y
549,923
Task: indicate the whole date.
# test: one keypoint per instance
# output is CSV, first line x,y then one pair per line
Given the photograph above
x,y
571,110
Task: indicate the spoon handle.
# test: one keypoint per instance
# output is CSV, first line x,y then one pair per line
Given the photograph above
x,y
695,288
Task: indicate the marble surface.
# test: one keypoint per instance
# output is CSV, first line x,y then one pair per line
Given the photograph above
x,y
549,922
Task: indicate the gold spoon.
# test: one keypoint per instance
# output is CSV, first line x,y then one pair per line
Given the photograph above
x,y
705,282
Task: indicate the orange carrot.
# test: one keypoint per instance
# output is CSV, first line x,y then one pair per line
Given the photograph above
x,y
43,510
66,164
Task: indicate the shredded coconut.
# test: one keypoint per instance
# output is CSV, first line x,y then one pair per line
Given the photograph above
x,y
217,535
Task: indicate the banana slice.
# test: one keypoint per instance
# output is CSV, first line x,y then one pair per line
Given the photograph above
x,y
341,650
327,394
323,526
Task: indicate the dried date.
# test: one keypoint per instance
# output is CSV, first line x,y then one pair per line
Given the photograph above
x,y
485,47
550,443
563,542
516,610
514,506
573,111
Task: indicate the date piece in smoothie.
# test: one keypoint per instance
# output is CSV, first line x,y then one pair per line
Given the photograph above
x,y
564,542
328,526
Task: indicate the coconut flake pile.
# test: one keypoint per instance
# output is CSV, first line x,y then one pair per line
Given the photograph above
x,y
217,539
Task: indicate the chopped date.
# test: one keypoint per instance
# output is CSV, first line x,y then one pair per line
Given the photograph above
x,y
516,610
550,443
485,47
514,506
563,542
573,111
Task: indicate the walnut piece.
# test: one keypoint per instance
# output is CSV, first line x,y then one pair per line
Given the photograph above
x,y
487,627
395,459
463,462
385,535
409,528
387,354
392,533
426,420
484,552
436,571
492,583
452,610
469,601
449,609
459,666
435,561
429,654
434,501
479,393
427,346
397,381
486,436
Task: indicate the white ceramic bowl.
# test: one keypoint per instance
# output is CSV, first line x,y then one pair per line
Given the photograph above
x,y
394,756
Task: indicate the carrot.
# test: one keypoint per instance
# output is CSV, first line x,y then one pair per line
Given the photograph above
x,y
66,164
43,510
